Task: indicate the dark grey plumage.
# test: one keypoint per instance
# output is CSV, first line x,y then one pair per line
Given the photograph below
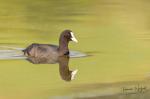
x,y
51,51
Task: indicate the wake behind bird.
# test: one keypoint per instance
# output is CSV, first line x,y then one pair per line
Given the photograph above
x,y
11,53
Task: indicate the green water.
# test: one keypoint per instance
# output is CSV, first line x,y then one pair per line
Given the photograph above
x,y
115,33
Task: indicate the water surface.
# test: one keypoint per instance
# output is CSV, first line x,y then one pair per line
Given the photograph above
x,y
114,33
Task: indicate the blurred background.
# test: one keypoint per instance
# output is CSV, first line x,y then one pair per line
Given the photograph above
x,y
114,33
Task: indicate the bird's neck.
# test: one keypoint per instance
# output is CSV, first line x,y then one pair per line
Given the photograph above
x,y
63,47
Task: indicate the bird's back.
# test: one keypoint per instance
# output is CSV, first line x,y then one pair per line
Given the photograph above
x,y
42,50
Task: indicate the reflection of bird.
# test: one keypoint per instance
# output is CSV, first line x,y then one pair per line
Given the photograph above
x,y
51,51
63,61
65,73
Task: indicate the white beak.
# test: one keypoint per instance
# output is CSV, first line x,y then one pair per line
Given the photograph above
x,y
73,37
73,74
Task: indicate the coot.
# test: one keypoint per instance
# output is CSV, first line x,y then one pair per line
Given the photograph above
x,y
49,50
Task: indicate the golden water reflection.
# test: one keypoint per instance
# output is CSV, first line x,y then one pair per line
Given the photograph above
x,y
63,62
